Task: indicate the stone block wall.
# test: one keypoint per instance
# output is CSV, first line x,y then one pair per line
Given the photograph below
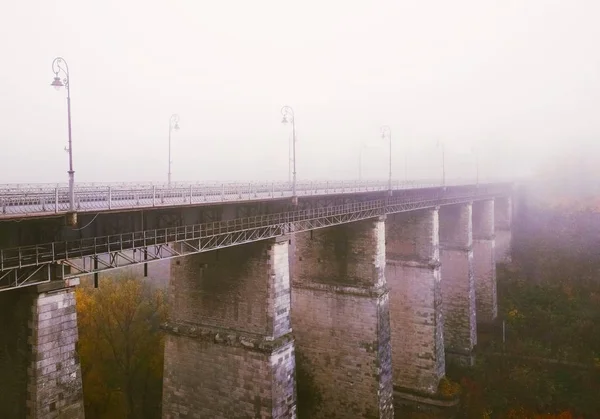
x,y
348,255
227,376
503,213
413,275
15,352
502,246
234,288
340,313
38,357
484,261
229,350
458,282
413,236
503,226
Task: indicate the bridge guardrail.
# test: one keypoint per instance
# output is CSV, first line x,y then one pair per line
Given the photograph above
x,y
20,266
43,200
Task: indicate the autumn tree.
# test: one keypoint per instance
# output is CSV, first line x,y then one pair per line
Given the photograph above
x,y
121,348
522,413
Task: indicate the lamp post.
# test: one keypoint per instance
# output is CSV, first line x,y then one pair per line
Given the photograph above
x,y
288,116
290,158
442,146
60,65
475,151
173,125
360,149
406,165
386,131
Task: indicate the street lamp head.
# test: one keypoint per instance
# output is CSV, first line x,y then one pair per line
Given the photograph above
x,y
288,114
58,65
386,132
176,127
57,83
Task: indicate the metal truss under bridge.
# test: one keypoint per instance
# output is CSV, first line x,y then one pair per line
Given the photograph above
x,y
31,265
47,199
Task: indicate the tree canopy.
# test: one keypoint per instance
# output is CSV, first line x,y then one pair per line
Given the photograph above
x,y
121,348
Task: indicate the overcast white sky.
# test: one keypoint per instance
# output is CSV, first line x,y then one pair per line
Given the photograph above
x,y
521,79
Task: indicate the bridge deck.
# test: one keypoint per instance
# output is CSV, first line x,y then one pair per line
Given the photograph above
x,y
31,201
22,266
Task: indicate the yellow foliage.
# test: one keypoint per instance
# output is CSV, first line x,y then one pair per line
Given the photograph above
x,y
522,413
514,315
120,347
448,388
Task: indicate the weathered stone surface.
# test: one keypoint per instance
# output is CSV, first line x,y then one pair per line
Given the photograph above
x,y
503,213
417,324
340,312
483,219
229,351
38,358
484,260
485,280
258,343
458,282
503,225
458,293
350,255
243,287
211,380
502,246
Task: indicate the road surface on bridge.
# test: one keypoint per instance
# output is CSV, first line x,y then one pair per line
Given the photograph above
x,y
33,200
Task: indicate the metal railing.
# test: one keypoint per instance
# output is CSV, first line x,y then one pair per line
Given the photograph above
x,y
20,266
43,199
143,184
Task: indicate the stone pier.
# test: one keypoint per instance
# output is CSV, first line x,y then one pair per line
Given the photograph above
x,y
413,274
484,261
503,224
458,282
41,375
229,351
340,313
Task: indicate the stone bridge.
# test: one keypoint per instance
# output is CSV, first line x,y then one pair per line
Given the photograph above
x,y
370,294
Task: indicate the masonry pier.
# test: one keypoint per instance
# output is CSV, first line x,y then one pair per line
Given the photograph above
x,y
484,261
41,375
503,223
229,351
340,313
413,274
458,283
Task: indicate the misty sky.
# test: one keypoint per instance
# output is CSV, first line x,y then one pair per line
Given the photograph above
x,y
518,78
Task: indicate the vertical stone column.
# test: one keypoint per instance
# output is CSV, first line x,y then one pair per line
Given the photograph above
x,y
458,282
341,322
484,261
413,272
503,224
229,351
41,375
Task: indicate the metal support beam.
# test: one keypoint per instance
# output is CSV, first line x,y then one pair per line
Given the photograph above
x,y
141,247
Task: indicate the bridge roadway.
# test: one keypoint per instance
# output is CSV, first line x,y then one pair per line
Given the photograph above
x,y
40,200
69,258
